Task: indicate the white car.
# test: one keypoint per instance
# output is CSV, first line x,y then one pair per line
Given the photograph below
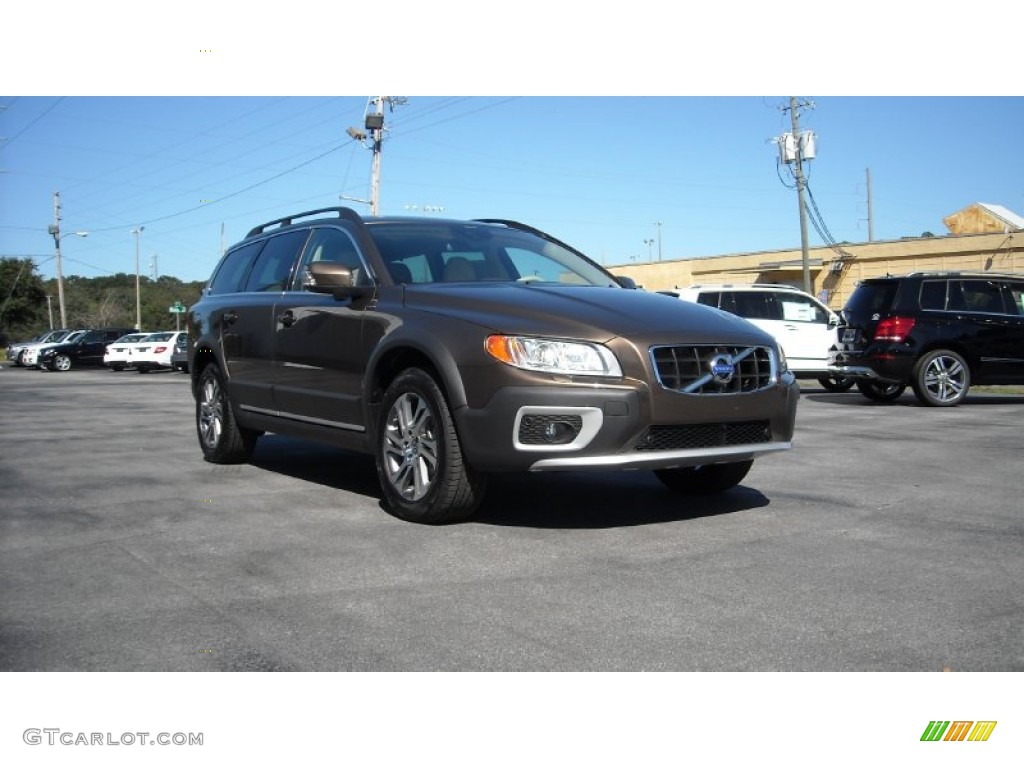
x,y
803,326
119,353
155,351
30,357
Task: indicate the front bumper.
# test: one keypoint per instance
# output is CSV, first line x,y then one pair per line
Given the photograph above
x,y
616,429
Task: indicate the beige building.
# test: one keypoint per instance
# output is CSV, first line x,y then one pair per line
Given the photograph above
x,y
835,275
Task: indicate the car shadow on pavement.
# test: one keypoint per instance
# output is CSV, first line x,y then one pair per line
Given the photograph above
x,y
906,399
600,500
317,463
529,500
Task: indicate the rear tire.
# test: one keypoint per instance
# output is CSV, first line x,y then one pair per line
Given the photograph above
x,y
941,378
835,383
706,479
422,472
881,393
221,439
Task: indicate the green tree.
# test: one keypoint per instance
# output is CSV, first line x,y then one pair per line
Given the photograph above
x,y
22,299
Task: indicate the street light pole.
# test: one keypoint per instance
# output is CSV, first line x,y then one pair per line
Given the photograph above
x,y
138,292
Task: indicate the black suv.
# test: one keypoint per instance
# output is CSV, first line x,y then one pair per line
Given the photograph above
x,y
937,332
87,350
452,349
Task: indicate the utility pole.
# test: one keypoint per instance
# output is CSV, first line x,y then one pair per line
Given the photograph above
x,y
658,225
871,219
49,308
138,291
374,123
801,183
55,231
794,148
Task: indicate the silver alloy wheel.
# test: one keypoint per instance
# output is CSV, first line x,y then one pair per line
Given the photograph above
x,y
410,449
62,363
945,378
211,413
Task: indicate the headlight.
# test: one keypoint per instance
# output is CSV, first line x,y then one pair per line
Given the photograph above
x,y
575,358
783,365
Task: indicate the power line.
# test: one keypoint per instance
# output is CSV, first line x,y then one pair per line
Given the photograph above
x,y
45,112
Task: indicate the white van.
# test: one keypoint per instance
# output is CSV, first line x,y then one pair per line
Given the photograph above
x,y
803,326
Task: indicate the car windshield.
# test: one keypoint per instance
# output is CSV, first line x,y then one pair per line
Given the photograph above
x,y
73,337
159,336
130,338
457,252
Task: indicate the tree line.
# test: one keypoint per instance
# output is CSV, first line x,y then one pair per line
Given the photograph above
x,y
89,302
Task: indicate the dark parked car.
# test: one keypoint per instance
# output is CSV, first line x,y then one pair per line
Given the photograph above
x,y
89,349
936,332
453,349
179,356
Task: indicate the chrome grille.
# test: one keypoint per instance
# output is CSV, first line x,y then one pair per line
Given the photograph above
x,y
714,369
688,436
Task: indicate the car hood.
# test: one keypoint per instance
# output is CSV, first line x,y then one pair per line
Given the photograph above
x,y
582,312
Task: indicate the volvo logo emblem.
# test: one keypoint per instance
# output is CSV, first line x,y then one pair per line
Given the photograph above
x,y
722,369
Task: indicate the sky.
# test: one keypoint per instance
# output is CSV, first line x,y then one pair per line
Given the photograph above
x,y
597,172
628,139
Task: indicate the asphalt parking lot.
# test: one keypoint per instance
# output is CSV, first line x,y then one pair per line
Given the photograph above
x,y
890,538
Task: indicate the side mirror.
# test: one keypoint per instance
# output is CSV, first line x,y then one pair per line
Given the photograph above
x,y
334,278
625,282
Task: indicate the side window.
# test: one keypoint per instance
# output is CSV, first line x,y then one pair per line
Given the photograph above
x,y
933,294
982,296
230,275
800,309
710,298
1013,298
757,305
273,267
335,245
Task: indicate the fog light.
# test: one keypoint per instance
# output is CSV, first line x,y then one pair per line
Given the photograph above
x,y
549,429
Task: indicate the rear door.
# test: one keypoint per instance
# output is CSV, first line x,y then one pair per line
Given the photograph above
x,y
254,277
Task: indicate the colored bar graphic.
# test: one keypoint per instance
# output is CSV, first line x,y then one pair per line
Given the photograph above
x,y
935,730
958,731
982,730
961,730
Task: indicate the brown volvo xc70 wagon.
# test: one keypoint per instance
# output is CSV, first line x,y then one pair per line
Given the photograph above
x,y
454,349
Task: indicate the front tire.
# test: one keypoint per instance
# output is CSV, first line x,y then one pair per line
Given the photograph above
x,y
61,363
706,479
422,472
222,440
941,378
881,393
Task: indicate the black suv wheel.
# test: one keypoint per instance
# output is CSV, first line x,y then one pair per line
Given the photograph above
x,y
882,393
941,378
419,460
220,437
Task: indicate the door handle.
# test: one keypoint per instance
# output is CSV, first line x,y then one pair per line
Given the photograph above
x,y
229,318
286,318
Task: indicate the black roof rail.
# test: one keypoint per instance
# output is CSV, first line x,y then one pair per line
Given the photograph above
x,y
343,213
965,273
